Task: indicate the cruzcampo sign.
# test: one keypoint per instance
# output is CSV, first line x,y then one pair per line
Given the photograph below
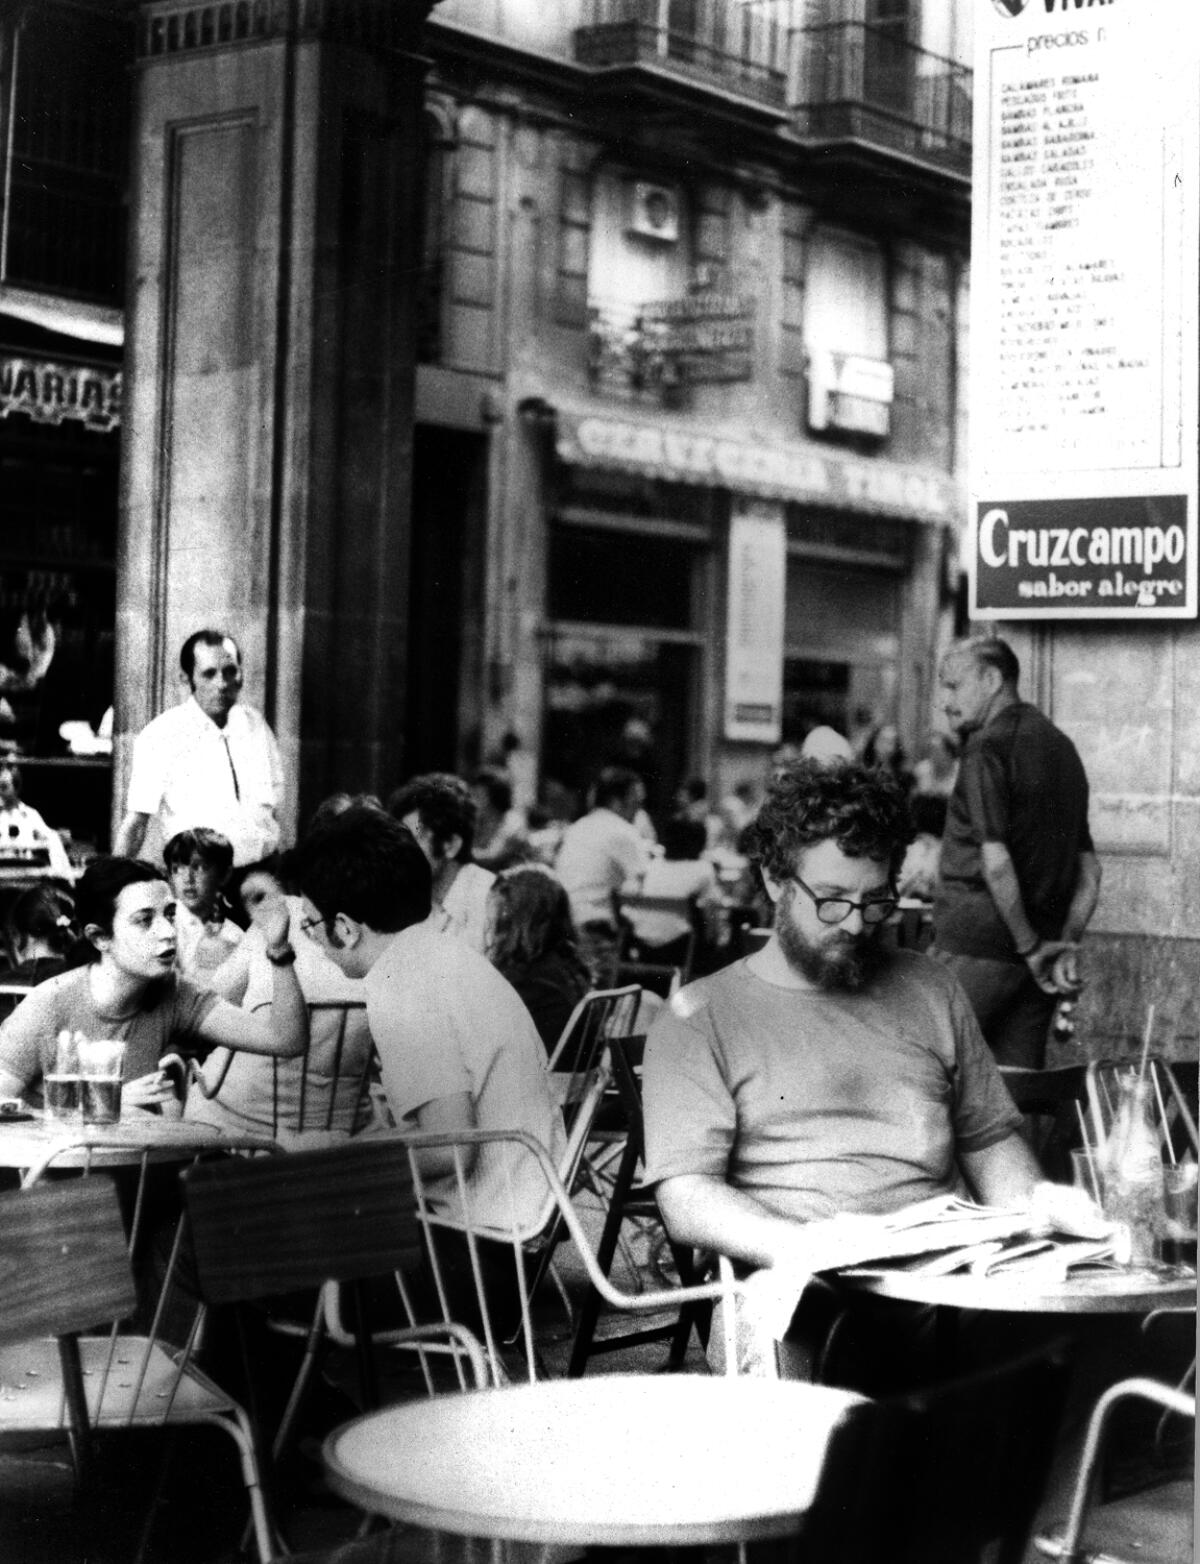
x,y
1085,318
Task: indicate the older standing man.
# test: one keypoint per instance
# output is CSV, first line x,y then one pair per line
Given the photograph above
x,y
1019,878
212,761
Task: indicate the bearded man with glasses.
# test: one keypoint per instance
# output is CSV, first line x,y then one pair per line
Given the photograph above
x,y
828,1074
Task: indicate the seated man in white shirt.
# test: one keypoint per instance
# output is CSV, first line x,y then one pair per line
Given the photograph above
x,y
602,854
440,812
457,1047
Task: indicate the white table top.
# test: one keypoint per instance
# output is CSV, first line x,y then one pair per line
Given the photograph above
x,y
1126,1291
25,1143
622,1460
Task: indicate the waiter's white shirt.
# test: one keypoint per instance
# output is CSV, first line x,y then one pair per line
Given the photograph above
x,y
184,769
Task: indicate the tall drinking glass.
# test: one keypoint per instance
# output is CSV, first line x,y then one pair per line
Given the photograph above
x,y
101,1066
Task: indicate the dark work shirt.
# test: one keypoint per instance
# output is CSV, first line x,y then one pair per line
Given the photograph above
x,y
551,987
1020,782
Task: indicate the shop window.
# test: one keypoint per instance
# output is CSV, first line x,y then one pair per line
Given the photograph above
x,y
620,578
66,157
846,303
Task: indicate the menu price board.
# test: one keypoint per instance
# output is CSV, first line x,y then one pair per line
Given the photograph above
x,y
754,621
1084,311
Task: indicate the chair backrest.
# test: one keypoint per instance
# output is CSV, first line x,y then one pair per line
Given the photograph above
x,y
274,1225
485,1272
322,1093
1053,1103
603,1013
64,1266
946,1476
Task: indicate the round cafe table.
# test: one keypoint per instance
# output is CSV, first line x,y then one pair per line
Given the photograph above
x,y
622,1460
28,1143
1129,1290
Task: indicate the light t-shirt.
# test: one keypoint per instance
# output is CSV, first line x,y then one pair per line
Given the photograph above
x,y
688,879
822,1101
464,907
445,1022
600,854
255,1093
168,1020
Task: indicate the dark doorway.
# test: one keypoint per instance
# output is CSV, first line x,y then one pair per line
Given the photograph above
x,y
445,599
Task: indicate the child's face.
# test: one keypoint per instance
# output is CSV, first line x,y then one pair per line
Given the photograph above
x,y
196,884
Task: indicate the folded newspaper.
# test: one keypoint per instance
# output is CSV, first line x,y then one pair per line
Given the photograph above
x,y
947,1234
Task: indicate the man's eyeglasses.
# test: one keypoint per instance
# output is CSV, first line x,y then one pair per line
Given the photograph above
x,y
836,909
311,923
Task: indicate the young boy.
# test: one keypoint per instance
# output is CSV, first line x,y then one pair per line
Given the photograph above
x,y
199,863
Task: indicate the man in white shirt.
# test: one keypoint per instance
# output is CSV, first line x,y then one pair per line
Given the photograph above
x,y
457,1047
211,762
602,854
439,810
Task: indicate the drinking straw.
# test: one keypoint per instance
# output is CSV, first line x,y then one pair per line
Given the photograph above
x,y
1162,1116
1141,1075
1089,1156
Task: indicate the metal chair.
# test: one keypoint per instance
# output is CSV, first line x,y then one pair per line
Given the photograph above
x,y
322,1095
486,1270
1068,1545
949,1475
628,1201
147,1376
66,1270
262,1228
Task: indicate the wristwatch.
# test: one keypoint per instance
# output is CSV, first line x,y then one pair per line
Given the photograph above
x,y
281,958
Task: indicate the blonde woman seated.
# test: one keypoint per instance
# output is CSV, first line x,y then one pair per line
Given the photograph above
x,y
251,1096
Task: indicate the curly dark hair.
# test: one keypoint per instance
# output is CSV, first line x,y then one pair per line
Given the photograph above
x,y
863,810
445,806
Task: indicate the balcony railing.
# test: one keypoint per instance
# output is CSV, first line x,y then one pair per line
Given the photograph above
x,y
864,83
716,43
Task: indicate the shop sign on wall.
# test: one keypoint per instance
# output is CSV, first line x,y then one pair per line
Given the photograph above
x,y
1084,310
52,393
754,622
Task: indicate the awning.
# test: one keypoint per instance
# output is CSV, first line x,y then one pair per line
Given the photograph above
x,y
67,317
774,469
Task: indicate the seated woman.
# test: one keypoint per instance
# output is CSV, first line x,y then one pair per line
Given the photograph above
x,y
130,990
250,1096
199,863
531,942
43,932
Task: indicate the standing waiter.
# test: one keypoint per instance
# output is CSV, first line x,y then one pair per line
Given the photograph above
x,y
212,761
1019,878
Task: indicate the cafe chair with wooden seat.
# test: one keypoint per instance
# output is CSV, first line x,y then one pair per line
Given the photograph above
x,y
146,1374
1068,1545
628,1201
952,1474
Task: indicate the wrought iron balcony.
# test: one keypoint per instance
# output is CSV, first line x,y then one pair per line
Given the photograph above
x,y
717,44
862,83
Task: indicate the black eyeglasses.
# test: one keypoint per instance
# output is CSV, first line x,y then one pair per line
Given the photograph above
x,y
311,923
836,909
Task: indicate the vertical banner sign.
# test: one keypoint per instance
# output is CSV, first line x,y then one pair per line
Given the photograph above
x,y
1084,309
754,622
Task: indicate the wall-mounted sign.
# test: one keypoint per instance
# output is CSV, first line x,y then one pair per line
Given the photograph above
x,y
754,622
1084,311
849,393
51,393
708,335
773,468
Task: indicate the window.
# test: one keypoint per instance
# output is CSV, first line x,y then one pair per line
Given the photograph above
x,y
846,301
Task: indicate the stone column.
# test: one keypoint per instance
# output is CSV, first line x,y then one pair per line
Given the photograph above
x,y
269,365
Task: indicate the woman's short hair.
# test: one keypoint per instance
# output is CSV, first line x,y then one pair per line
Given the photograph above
x,y
102,882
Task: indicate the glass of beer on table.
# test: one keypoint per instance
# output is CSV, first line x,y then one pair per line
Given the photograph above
x,y
101,1066
60,1084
